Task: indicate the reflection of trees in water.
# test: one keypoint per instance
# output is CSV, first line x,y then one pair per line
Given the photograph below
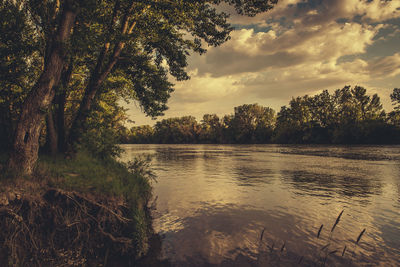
x,y
184,153
168,155
178,158
343,152
250,174
325,185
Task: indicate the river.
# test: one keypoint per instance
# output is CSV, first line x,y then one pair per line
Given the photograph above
x,y
258,205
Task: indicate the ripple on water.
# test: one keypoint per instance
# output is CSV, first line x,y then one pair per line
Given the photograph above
x,y
215,202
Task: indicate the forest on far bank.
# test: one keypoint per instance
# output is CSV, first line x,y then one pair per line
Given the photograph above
x,y
347,116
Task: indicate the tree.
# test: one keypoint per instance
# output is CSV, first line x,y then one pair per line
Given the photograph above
x,y
19,66
177,130
395,97
140,135
211,129
252,123
394,116
141,40
349,115
294,121
25,148
147,34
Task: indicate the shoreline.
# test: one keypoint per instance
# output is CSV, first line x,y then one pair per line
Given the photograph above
x,y
61,217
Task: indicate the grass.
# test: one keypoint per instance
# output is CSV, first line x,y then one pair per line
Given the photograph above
x,y
115,187
108,177
85,174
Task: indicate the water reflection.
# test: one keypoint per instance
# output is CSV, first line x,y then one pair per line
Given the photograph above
x,y
214,202
329,185
251,175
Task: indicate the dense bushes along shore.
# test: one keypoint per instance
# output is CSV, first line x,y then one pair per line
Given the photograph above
x,y
347,116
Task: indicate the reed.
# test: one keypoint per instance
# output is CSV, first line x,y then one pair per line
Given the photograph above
x,y
319,231
359,236
356,243
333,252
326,246
325,250
272,247
262,234
283,246
337,221
344,250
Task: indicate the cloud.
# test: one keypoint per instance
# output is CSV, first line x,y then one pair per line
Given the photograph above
x,y
249,51
307,12
385,66
200,89
300,47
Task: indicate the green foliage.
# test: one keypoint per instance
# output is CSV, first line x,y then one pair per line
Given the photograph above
x,y
211,129
156,36
347,116
104,127
395,97
177,130
252,123
139,134
19,65
142,166
128,48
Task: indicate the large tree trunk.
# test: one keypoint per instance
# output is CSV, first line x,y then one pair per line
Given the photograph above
x,y
25,148
51,134
60,102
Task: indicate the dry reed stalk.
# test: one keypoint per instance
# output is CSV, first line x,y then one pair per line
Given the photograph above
x,y
344,250
319,231
359,237
324,247
283,246
333,252
262,234
272,247
337,221
356,243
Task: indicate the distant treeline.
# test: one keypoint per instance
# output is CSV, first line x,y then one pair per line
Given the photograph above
x,y
348,116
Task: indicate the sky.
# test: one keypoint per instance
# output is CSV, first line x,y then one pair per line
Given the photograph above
x,y
300,47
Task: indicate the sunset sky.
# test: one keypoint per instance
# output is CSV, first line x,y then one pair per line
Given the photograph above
x,y
300,47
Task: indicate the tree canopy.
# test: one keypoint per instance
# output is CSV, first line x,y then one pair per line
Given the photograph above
x,y
82,50
346,116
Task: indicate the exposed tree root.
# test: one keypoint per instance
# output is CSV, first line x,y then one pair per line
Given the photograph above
x,y
53,227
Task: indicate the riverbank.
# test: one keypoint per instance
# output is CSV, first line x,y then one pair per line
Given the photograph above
x,y
73,212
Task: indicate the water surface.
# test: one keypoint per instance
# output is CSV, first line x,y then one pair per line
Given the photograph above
x,y
215,202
